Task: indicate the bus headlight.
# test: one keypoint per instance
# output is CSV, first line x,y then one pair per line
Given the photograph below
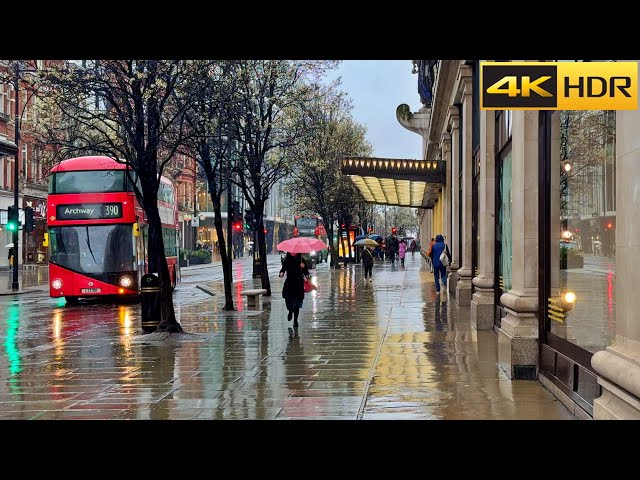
x,y
126,281
56,284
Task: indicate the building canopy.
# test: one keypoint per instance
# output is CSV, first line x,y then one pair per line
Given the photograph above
x,y
394,181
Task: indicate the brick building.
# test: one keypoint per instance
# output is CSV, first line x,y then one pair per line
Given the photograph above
x,y
32,185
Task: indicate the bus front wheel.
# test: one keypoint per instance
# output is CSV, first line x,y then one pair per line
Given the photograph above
x,y
72,300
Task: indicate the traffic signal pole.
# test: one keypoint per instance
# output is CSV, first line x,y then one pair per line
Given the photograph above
x,y
15,285
230,218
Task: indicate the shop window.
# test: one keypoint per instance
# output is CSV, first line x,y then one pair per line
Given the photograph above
x,y
582,255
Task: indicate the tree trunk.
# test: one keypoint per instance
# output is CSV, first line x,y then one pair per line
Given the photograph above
x,y
332,249
158,263
262,246
226,264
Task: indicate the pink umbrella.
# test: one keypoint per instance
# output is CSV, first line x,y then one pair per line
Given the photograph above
x,y
301,245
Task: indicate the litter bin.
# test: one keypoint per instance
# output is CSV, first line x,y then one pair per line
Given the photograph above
x,y
150,302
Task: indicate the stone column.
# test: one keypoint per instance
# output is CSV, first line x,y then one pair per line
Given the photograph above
x,y
465,273
518,334
452,166
618,366
482,303
446,193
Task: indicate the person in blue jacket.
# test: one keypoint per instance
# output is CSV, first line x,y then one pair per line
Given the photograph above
x,y
439,270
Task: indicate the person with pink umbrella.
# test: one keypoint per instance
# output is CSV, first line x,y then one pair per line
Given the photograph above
x,y
296,269
293,291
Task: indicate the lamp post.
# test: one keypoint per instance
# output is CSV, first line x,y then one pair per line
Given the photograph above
x,y
15,285
194,229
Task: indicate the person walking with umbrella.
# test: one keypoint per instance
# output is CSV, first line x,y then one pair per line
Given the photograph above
x,y
367,255
296,269
367,262
293,291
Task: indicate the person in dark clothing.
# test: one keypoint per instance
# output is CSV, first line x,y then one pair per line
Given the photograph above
x,y
392,248
293,291
367,263
439,270
413,247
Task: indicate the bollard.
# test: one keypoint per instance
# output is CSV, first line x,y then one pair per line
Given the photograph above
x,y
150,302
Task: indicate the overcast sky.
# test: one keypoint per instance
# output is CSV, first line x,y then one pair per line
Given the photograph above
x,y
377,87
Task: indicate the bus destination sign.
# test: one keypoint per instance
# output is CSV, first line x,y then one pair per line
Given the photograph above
x,y
89,211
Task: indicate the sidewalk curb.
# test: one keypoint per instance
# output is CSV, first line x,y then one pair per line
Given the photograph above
x,y
205,290
20,292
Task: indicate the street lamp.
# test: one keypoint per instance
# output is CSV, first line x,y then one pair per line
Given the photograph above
x,y
15,285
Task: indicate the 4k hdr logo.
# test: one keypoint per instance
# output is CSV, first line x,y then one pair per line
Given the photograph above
x,y
559,85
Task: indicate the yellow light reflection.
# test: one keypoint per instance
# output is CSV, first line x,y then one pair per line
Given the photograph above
x,y
57,325
124,318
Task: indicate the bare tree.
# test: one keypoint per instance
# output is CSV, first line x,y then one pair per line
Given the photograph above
x,y
211,112
271,98
317,184
126,110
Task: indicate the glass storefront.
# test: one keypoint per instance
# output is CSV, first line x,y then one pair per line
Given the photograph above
x,y
578,254
504,224
583,220
504,228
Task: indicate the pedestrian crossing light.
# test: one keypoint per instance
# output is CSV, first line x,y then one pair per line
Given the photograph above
x,y
12,219
29,221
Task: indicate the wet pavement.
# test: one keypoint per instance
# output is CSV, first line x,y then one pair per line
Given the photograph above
x,y
29,280
386,350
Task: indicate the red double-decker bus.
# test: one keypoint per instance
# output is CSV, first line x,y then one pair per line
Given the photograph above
x,y
98,233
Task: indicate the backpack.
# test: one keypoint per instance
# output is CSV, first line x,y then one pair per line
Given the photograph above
x,y
444,259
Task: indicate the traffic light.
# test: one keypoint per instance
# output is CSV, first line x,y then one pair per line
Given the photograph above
x,y
249,219
237,212
237,226
393,230
12,219
29,222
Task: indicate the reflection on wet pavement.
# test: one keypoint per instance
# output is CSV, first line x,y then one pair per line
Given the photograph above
x,y
386,350
34,279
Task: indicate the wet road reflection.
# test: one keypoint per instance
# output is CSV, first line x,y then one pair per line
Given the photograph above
x,y
385,350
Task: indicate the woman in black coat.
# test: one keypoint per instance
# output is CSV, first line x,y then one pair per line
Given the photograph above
x,y
367,263
293,291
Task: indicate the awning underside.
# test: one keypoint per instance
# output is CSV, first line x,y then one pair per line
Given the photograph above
x,y
401,182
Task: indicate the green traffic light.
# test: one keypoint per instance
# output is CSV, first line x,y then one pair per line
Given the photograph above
x,y
12,227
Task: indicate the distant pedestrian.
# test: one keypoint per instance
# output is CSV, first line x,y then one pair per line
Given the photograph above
x,y
392,248
293,290
367,263
413,247
402,251
439,270
10,258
